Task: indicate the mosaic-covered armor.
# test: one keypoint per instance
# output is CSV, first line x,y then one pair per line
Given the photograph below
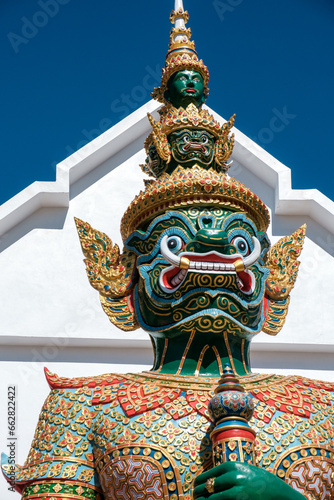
x,y
117,436
197,272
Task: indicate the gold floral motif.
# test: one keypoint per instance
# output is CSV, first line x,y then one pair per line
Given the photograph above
x,y
127,437
55,469
42,469
160,140
63,407
147,418
276,430
170,432
86,417
283,264
86,475
70,441
70,471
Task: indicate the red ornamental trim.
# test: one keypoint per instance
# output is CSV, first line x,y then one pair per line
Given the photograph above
x,y
232,434
56,382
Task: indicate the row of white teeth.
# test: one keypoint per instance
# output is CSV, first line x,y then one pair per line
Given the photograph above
x,y
215,267
211,266
201,266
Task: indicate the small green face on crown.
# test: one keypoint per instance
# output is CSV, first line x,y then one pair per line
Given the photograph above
x,y
190,147
154,163
185,87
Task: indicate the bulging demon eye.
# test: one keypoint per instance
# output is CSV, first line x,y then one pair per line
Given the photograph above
x,y
174,244
186,138
204,139
241,245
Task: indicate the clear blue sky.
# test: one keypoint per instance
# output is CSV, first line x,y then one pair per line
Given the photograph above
x,y
73,68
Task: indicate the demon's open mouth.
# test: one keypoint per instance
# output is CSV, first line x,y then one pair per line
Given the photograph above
x,y
213,262
194,145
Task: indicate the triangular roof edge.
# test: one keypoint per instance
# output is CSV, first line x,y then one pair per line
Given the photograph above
x,y
288,201
56,194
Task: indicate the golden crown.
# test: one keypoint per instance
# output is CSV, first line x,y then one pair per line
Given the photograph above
x,y
192,187
173,119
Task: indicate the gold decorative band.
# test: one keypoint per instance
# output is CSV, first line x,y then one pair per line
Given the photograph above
x,y
189,187
55,490
185,263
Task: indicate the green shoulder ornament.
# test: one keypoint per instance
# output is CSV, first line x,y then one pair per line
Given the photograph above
x,y
197,272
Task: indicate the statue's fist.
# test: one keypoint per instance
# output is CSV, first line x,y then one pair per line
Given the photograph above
x,y
240,481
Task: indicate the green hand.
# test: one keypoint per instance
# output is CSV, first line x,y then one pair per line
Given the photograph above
x,y
239,481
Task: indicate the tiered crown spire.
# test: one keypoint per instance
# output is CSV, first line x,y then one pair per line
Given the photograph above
x,y
181,53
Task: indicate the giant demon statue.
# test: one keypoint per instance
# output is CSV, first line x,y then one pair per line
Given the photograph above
x,y
198,274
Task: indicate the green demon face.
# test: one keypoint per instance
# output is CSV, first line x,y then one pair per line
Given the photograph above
x,y
192,146
185,87
200,268
154,163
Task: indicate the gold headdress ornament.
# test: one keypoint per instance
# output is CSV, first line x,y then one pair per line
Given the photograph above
x,y
181,54
192,187
114,274
148,142
173,119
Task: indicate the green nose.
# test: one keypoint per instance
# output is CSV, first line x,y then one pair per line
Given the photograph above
x,y
212,238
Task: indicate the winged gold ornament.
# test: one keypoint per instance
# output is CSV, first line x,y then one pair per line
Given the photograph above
x,y
110,273
160,140
224,144
283,265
